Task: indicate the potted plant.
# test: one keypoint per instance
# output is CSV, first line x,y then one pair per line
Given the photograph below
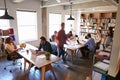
x,y
47,55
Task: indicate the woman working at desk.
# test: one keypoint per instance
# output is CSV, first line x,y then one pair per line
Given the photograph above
x,y
11,48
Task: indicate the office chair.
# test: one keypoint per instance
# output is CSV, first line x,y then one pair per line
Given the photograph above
x,y
55,52
14,59
54,49
97,47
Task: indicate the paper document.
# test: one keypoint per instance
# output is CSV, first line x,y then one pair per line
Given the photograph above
x,y
102,66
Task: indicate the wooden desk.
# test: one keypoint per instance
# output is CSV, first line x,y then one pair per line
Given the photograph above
x,y
71,49
38,60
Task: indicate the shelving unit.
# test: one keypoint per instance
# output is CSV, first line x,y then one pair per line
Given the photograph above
x,y
91,22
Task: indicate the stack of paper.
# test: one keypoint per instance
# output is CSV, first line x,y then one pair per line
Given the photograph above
x,y
102,66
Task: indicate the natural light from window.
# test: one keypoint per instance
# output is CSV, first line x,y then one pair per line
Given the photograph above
x,y
68,25
54,23
4,24
27,25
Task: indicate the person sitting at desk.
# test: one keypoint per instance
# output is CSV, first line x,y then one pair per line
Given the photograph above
x,y
11,48
89,46
108,38
70,35
44,46
53,37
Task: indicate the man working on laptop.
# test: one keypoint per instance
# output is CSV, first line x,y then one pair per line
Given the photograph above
x,y
44,46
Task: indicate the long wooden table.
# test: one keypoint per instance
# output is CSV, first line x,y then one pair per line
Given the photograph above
x,y
38,60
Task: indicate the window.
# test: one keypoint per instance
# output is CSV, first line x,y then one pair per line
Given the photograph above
x,y
54,23
27,25
68,24
4,24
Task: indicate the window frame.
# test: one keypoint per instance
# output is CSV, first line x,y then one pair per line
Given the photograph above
x,y
36,27
54,24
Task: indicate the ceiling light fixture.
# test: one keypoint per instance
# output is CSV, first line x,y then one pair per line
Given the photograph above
x,y
70,18
6,15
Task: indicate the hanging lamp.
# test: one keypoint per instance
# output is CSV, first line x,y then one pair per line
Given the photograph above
x,y
6,15
70,18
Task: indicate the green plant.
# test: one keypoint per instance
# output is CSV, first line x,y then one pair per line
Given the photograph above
x,y
47,54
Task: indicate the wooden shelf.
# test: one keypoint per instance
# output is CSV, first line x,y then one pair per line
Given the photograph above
x,y
99,20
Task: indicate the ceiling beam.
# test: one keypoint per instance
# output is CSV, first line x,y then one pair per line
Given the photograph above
x,y
51,3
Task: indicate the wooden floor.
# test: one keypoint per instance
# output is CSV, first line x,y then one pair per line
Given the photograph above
x,y
79,70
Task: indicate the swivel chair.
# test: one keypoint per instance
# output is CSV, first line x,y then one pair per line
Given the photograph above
x,y
54,49
14,59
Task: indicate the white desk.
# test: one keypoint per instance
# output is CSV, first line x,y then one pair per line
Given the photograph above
x,y
38,60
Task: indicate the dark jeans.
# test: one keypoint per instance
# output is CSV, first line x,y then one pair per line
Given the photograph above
x,y
13,55
61,52
85,51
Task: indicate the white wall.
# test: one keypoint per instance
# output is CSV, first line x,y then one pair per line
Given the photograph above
x,y
30,5
116,46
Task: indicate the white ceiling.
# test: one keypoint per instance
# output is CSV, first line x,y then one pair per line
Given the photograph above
x,y
84,5
81,5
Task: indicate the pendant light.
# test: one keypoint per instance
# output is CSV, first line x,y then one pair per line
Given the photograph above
x,y
6,15
70,18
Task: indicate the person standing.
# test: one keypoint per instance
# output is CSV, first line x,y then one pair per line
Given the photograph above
x,y
108,37
61,40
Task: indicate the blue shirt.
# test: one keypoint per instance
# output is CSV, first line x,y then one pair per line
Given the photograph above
x,y
91,44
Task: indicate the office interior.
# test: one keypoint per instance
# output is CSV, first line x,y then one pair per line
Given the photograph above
x,y
45,7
